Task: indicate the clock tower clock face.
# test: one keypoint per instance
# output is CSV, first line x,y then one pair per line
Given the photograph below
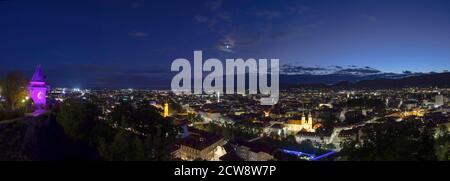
x,y
40,95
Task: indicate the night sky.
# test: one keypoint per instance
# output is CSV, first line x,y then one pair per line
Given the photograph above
x,y
119,43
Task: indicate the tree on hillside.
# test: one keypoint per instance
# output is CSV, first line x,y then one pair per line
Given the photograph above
x,y
78,119
142,134
392,141
14,89
131,132
442,145
125,146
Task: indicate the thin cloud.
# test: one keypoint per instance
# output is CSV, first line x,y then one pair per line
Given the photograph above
x,y
210,22
291,31
201,19
298,9
135,5
225,16
370,18
268,14
137,34
214,5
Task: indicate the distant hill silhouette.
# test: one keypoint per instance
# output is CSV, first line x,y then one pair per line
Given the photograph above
x,y
330,79
425,80
429,80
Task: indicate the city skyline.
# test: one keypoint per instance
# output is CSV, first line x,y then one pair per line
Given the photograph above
x,y
210,89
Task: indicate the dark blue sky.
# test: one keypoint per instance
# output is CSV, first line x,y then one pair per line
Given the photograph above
x,y
126,43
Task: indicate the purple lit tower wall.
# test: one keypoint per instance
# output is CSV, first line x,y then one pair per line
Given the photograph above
x,y
37,89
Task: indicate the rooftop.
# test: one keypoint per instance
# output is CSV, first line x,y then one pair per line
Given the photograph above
x,y
38,75
199,139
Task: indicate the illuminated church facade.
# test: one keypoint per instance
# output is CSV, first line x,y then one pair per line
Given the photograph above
x,y
305,124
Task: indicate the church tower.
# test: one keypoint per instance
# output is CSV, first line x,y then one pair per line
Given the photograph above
x,y
218,97
303,118
310,121
37,88
166,110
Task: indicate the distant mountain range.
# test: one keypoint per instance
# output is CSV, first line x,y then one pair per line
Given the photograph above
x,y
336,74
424,80
427,80
350,70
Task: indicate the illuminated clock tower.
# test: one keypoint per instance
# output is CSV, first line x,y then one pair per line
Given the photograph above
x,y
37,88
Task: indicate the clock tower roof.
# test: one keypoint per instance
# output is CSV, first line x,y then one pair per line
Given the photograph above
x,y
38,75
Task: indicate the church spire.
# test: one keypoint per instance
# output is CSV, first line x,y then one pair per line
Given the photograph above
x,y
310,118
303,118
